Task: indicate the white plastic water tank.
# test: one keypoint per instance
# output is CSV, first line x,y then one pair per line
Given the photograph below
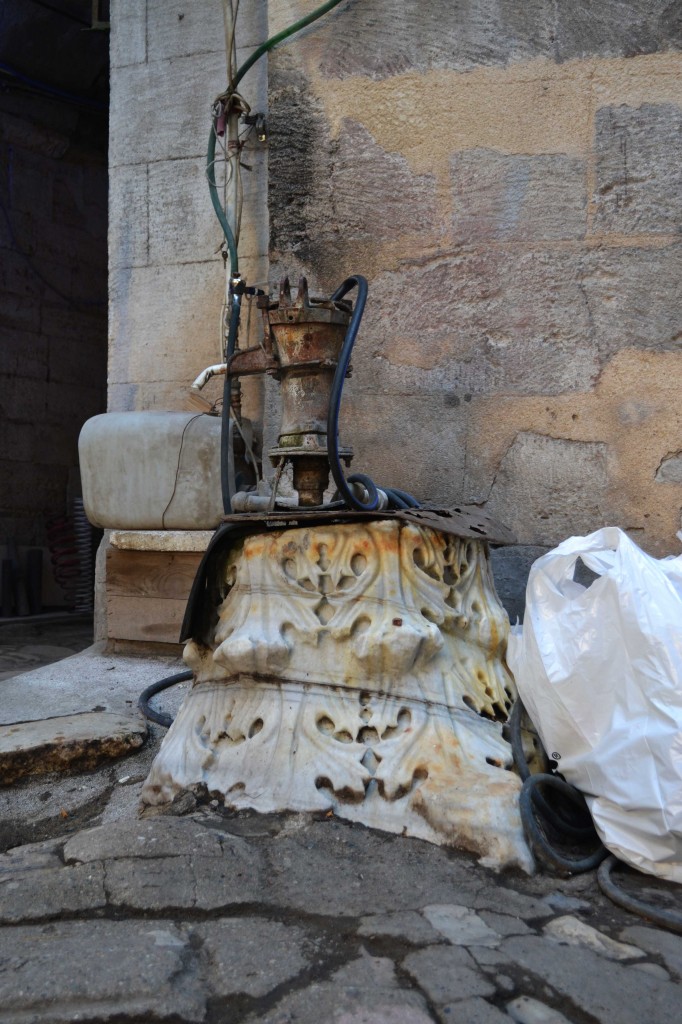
x,y
151,470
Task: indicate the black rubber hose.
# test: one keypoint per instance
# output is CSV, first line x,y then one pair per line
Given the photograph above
x,y
394,500
398,499
408,499
227,402
541,846
670,919
161,684
559,821
359,282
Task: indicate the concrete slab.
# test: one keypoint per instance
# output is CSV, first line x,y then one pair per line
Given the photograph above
x,y
67,741
91,681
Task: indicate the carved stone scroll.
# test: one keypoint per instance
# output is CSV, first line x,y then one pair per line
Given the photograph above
x,y
357,668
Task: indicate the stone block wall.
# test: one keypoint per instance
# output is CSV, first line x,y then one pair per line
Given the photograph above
x,y
53,303
506,175
166,278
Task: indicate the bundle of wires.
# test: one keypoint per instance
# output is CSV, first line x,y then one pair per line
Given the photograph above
x,y
357,491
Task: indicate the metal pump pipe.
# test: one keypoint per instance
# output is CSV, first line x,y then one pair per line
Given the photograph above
x,y
205,375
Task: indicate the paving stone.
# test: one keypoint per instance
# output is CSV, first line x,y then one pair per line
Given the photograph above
x,y
526,1010
446,975
49,805
471,1011
655,970
27,896
157,837
560,901
406,924
365,991
504,924
69,741
639,169
89,681
576,933
335,868
163,883
460,926
502,900
235,877
34,857
601,988
99,970
250,956
489,957
658,942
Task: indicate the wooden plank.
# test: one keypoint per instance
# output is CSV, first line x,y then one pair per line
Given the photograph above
x,y
164,574
144,618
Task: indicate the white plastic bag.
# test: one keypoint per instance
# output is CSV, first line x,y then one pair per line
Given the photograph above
x,y
599,670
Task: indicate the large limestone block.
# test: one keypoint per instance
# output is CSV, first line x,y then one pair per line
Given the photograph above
x,y
639,169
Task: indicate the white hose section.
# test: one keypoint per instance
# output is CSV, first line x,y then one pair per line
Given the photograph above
x,y
205,375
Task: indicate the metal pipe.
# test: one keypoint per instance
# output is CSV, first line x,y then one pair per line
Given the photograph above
x,y
205,375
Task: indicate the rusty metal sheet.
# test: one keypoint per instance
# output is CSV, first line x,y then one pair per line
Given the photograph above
x,y
461,521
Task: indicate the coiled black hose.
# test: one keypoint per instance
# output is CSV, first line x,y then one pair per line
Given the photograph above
x,y
161,684
575,832
546,824
566,820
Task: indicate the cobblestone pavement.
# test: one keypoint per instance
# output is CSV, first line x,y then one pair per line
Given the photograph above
x,y
204,915
208,916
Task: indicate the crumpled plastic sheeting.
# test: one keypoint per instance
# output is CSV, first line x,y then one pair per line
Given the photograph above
x,y
599,670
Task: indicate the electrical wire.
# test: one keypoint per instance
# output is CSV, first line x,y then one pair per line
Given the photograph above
x,y
225,446
177,468
233,82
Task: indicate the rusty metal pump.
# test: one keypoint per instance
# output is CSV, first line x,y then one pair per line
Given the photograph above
x,y
307,348
303,342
